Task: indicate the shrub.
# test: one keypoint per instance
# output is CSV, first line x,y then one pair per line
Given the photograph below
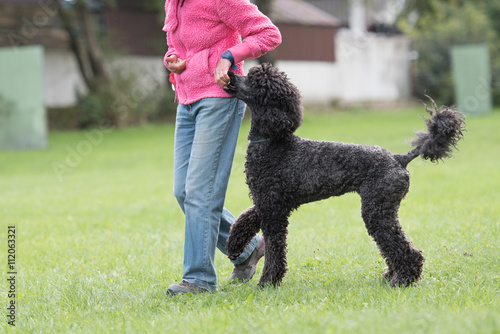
x,y
125,102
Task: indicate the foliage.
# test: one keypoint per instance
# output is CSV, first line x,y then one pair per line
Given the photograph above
x,y
124,101
99,246
441,25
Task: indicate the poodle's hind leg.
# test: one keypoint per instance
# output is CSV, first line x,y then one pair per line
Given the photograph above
x,y
380,213
242,231
275,265
404,261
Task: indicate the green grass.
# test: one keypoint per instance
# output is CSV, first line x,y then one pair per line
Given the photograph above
x,y
100,238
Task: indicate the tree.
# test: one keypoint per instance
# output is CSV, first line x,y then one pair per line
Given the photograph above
x,y
435,26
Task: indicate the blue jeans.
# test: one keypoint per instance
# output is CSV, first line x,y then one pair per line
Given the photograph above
x,y
206,133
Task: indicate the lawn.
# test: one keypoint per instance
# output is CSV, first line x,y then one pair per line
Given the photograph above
x,y
99,238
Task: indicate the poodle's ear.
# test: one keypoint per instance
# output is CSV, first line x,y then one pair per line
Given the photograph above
x,y
277,123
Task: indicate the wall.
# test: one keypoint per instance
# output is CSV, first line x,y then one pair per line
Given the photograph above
x,y
62,79
372,67
306,43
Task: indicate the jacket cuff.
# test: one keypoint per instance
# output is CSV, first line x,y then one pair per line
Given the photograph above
x,y
240,52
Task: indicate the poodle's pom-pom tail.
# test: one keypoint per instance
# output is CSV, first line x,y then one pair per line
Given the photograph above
x,y
445,128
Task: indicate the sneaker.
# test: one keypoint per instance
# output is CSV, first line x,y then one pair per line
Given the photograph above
x,y
184,287
244,271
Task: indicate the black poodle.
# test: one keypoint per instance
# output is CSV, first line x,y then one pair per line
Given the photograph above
x,y
284,171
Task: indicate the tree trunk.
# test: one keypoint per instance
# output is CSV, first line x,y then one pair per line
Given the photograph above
x,y
83,44
93,50
68,21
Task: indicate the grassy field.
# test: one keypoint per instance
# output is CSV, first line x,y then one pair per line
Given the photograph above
x,y
99,238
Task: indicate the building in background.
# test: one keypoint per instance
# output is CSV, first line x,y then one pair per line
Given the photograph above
x,y
371,64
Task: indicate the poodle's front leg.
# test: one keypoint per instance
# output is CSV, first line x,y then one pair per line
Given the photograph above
x,y
275,265
242,231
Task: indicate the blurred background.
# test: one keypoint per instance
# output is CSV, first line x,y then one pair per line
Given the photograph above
x,y
74,64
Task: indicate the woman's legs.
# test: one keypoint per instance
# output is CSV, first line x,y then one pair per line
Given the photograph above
x,y
205,140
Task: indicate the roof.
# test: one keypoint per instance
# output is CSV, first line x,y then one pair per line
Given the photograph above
x,y
300,12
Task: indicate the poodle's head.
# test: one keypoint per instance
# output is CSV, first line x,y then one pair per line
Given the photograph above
x,y
272,98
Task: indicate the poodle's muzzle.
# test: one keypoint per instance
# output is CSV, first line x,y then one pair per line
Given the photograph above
x,y
239,87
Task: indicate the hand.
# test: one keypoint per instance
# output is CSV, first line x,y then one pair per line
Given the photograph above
x,y
220,73
175,65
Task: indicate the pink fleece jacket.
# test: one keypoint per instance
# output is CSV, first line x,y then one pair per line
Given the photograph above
x,y
201,30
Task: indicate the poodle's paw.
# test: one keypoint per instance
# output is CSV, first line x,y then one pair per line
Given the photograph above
x,y
269,281
233,248
388,275
410,273
264,283
233,256
397,283
402,282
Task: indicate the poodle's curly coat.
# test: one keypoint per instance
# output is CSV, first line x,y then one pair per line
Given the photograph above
x,y
284,171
